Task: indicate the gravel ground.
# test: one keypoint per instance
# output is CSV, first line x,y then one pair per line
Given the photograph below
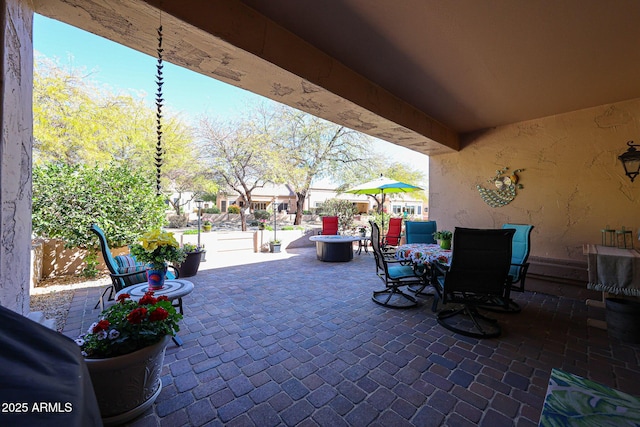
x,y
53,296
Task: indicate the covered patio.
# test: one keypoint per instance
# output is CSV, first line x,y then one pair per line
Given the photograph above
x,y
288,340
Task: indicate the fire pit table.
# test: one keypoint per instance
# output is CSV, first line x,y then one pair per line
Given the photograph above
x,y
334,248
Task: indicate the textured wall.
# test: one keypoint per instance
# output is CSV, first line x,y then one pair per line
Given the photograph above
x,y
15,154
573,182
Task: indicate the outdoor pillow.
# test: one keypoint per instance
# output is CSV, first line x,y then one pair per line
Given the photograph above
x,y
128,264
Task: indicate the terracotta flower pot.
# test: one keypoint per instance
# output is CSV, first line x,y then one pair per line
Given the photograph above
x,y
126,386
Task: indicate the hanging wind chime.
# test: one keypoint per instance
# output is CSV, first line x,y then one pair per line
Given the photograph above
x,y
159,150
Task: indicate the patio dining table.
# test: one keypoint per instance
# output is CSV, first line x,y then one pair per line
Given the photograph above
x,y
422,255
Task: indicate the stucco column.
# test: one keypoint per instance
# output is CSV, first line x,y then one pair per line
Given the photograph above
x,y
16,141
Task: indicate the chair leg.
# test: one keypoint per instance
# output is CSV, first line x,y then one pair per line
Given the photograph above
x,y
394,297
100,302
476,325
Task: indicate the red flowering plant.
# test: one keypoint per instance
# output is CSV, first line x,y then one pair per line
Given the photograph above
x,y
128,326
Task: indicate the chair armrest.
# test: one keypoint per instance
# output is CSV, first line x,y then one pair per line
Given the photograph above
x,y
124,275
176,272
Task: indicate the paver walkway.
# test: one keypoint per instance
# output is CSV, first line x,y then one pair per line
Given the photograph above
x,y
289,340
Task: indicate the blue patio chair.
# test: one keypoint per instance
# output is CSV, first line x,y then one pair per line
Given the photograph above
x,y
394,275
123,269
521,246
420,231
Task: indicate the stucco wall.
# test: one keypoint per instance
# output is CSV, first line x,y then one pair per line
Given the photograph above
x,y
15,154
574,184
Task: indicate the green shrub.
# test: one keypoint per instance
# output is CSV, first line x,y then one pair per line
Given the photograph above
x,y
190,231
233,209
261,214
343,209
177,221
68,199
213,210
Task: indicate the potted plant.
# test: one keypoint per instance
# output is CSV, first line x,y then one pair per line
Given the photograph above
x,y
156,249
362,231
189,267
124,352
206,226
443,237
274,245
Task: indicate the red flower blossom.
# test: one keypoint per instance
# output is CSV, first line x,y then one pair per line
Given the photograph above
x,y
163,298
158,314
148,299
137,316
102,325
123,297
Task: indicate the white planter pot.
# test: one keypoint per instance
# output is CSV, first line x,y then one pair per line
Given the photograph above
x,y
126,386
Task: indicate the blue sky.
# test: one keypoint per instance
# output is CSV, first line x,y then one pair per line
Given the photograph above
x,y
185,92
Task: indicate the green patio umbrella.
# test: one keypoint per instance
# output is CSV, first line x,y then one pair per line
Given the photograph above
x,y
383,185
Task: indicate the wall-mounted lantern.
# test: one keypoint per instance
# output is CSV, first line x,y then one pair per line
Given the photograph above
x,y
631,160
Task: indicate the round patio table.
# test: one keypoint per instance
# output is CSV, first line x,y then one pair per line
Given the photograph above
x,y
334,248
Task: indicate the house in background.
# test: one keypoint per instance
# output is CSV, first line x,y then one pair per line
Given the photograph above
x,y
264,197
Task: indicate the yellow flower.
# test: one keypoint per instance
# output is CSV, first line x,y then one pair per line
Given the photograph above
x,y
153,239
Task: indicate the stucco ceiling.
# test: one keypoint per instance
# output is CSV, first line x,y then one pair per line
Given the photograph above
x,y
418,73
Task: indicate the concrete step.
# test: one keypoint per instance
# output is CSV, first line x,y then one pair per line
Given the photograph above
x,y
38,317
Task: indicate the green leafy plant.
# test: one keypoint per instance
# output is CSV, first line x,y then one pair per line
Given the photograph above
x,y
443,235
259,214
233,209
68,199
189,247
91,264
128,326
343,209
158,247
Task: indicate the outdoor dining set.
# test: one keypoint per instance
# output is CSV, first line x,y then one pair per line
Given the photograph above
x,y
477,274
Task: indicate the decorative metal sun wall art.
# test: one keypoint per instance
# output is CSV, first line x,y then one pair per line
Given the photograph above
x,y
506,188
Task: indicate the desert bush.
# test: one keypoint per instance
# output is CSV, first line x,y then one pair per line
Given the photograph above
x,y
67,199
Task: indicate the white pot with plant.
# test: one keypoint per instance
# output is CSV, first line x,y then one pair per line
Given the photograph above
x,y
124,352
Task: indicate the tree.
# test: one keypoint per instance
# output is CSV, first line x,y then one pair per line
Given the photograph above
x,y
77,122
237,155
307,148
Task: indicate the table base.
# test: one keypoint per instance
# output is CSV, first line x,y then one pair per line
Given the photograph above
x,y
334,251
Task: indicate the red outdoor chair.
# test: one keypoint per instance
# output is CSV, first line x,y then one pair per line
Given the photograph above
x,y
329,225
393,234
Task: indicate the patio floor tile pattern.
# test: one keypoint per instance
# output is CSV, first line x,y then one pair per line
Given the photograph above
x,y
298,342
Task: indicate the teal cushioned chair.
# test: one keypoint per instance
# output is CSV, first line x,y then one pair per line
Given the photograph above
x,y
123,269
394,274
521,246
420,231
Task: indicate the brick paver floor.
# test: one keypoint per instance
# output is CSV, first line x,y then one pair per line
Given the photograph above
x,y
297,342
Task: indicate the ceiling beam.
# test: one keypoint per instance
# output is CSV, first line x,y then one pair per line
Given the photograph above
x,y
229,41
